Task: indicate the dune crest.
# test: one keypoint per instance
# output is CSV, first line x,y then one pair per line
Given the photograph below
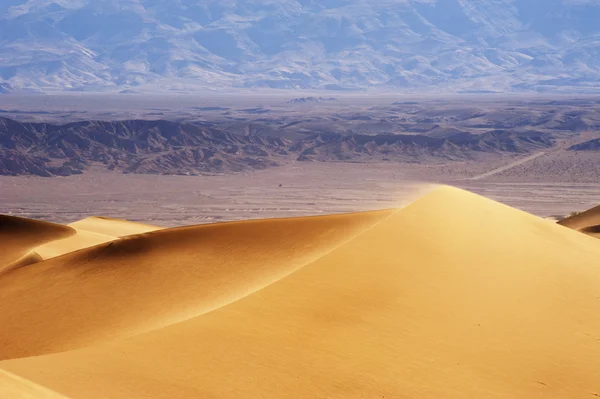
x,y
18,236
113,227
158,278
455,296
587,222
15,387
90,232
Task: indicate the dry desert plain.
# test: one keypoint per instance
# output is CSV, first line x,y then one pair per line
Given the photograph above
x,y
306,189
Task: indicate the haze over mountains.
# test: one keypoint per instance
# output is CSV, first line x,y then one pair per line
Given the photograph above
x,y
185,45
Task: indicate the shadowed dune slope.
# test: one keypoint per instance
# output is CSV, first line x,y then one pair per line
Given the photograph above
x,y
453,297
113,227
147,281
18,236
587,222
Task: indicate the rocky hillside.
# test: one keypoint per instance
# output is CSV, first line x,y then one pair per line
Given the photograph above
x,y
130,146
163,147
184,45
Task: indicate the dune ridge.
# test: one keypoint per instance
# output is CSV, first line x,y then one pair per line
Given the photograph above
x,y
113,227
19,235
158,278
29,258
454,296
15,387
587,222
91,232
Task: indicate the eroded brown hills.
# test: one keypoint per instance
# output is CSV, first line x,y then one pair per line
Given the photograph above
x,y
453,296
192,135
162,147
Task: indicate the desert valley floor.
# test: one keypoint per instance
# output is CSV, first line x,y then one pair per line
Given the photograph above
x,y
306,189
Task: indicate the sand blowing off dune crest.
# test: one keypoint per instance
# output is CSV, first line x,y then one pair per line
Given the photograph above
x,y
455,297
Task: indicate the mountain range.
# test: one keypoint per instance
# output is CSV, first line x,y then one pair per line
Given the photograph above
x,y
404,45
165,147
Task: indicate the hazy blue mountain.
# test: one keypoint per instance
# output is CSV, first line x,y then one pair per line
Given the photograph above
x,y
441,45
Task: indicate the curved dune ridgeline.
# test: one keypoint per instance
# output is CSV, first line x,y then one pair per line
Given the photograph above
x,y
18,236
587,222
455,296
113,227
147,281
90,232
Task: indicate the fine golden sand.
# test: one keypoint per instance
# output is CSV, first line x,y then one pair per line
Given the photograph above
x,y
454,296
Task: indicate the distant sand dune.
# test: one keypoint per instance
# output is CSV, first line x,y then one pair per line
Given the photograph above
x,y
454,297
80,240
587,222
113,227
19,236
90,232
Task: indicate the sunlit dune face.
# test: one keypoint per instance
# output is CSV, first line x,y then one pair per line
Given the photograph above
x,y
452,296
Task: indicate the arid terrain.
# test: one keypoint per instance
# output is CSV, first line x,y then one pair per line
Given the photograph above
x,y
306,189
453,296
228,158
335,250
458,137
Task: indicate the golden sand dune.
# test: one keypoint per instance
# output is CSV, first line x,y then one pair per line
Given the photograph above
x,y
90,232
112,227
19,236
148,281
14,387
81,239
587,222
454,296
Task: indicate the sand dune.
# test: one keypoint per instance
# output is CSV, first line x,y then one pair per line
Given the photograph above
x,y
587,222
454,296
19,236
112,227
14,387
80,240
148,281
90,232
29,258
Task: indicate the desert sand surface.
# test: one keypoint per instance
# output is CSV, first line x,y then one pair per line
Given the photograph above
x,y
90,232
112,227
18,237
452,296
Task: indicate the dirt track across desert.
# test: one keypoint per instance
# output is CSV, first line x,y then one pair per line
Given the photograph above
x,y
507,167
